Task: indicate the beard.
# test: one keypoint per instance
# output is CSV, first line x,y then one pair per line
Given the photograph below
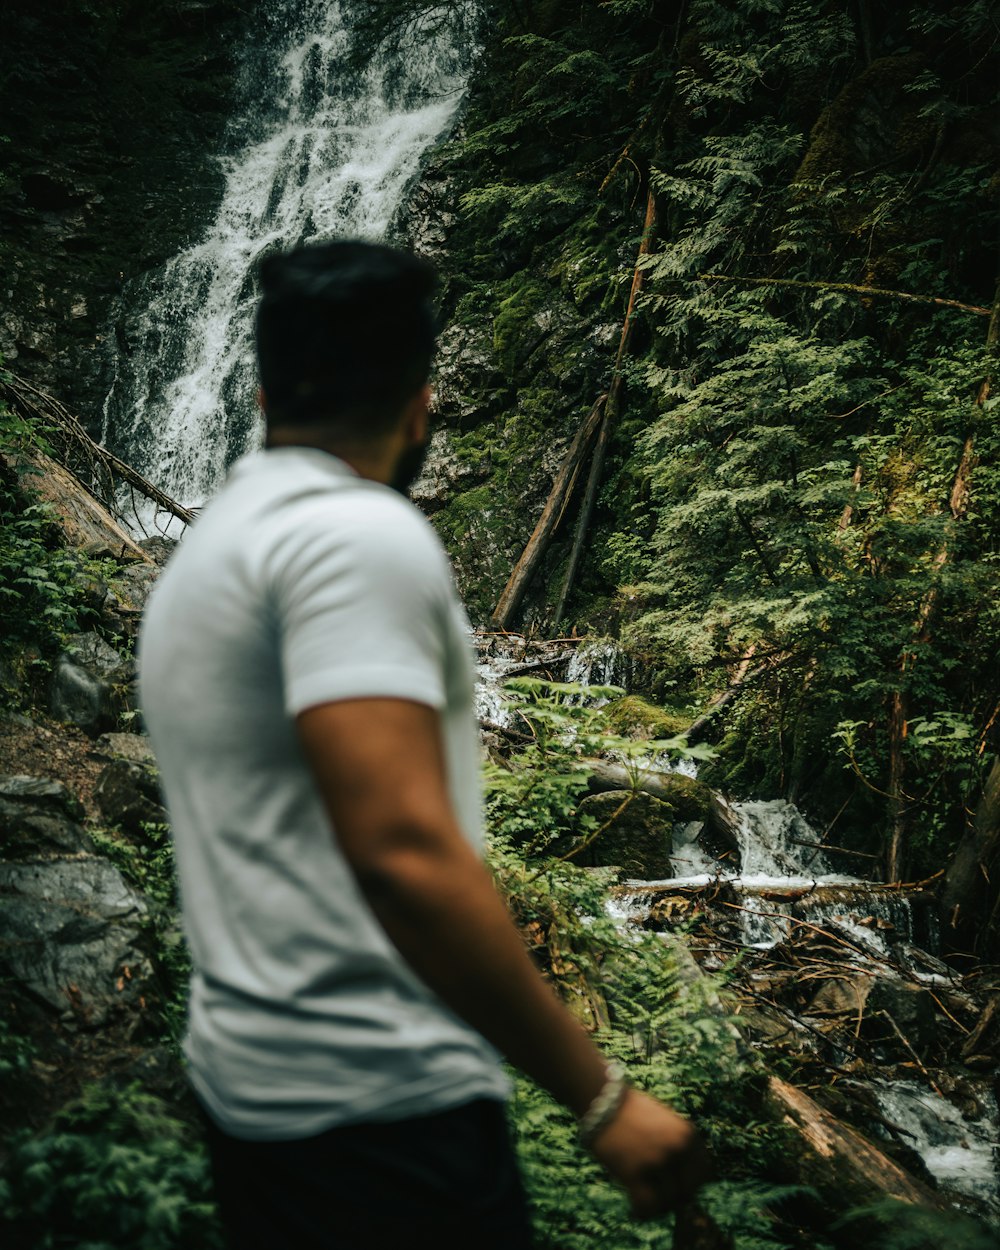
x,y
408,467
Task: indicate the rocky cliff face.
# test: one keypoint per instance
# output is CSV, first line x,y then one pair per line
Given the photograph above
x,y
112,114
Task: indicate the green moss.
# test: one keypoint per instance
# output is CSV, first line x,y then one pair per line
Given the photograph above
x,y
638,716
834,142
518,327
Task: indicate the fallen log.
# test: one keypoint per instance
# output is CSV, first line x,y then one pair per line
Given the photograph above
x,y
837,1160
84,520
102,465
691,799
548,522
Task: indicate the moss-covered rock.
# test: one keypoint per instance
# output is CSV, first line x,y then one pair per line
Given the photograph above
x,y
642,719
638,836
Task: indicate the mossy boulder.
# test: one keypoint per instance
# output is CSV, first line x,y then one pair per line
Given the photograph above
x,y
642,719
638,836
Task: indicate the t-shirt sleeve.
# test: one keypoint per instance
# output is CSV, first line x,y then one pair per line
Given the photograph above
x,y
361,610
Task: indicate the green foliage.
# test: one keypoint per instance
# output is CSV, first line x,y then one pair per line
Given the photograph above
x,y
16,1054
42,583
148,862
534,798
670,1038
893,1225
668,1031
115,1171
808,440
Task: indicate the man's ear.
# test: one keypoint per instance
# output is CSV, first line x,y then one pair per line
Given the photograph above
x,y
417,414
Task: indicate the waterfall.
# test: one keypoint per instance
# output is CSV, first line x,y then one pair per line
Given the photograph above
x,y
959,1149
316,150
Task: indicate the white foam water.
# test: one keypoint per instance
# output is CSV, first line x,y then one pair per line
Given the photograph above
x,y
961,1154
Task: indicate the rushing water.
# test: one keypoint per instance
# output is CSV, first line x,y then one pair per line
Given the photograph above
x,y
783,878
962,1152
316,150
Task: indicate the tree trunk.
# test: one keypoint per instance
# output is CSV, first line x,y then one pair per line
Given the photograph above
x,y
897,798
610,414
845,1167
548,522
972,882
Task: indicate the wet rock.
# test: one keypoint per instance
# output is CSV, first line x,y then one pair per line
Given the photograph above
x,y
92,684
444,474
128,795
123,603
908,1007
468,386
71,934
893,1014
845,995
158,548
691,801
39,815
638,838
427,215
132,747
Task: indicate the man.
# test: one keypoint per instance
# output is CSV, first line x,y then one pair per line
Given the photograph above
x,y
307,685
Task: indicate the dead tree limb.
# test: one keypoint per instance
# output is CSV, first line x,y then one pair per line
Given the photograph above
x,y
83,453
743,676
850,287
548,522
611,408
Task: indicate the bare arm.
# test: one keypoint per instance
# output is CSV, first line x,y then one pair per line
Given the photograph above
x,y
380,767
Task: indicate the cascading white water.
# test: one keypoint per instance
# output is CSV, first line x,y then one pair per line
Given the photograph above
x,y
317,150
961,1152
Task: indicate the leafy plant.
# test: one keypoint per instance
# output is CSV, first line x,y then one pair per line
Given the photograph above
x,y
42,582
148,862
116,1171
628,988
534,797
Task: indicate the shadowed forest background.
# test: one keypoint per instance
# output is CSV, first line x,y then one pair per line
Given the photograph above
x,y
715,401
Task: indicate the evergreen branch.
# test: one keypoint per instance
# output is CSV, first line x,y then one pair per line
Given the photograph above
x,y
849,286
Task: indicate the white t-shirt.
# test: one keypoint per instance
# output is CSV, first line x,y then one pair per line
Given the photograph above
x,y
302,583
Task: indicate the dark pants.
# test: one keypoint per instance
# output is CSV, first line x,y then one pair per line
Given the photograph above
x,y
447,1181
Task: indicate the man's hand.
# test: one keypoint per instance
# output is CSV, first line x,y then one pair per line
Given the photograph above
x,y
655,1154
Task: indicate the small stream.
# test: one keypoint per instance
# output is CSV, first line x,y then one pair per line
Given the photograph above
x,y
777,881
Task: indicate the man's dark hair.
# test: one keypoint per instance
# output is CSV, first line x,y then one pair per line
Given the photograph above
x,y
345,335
